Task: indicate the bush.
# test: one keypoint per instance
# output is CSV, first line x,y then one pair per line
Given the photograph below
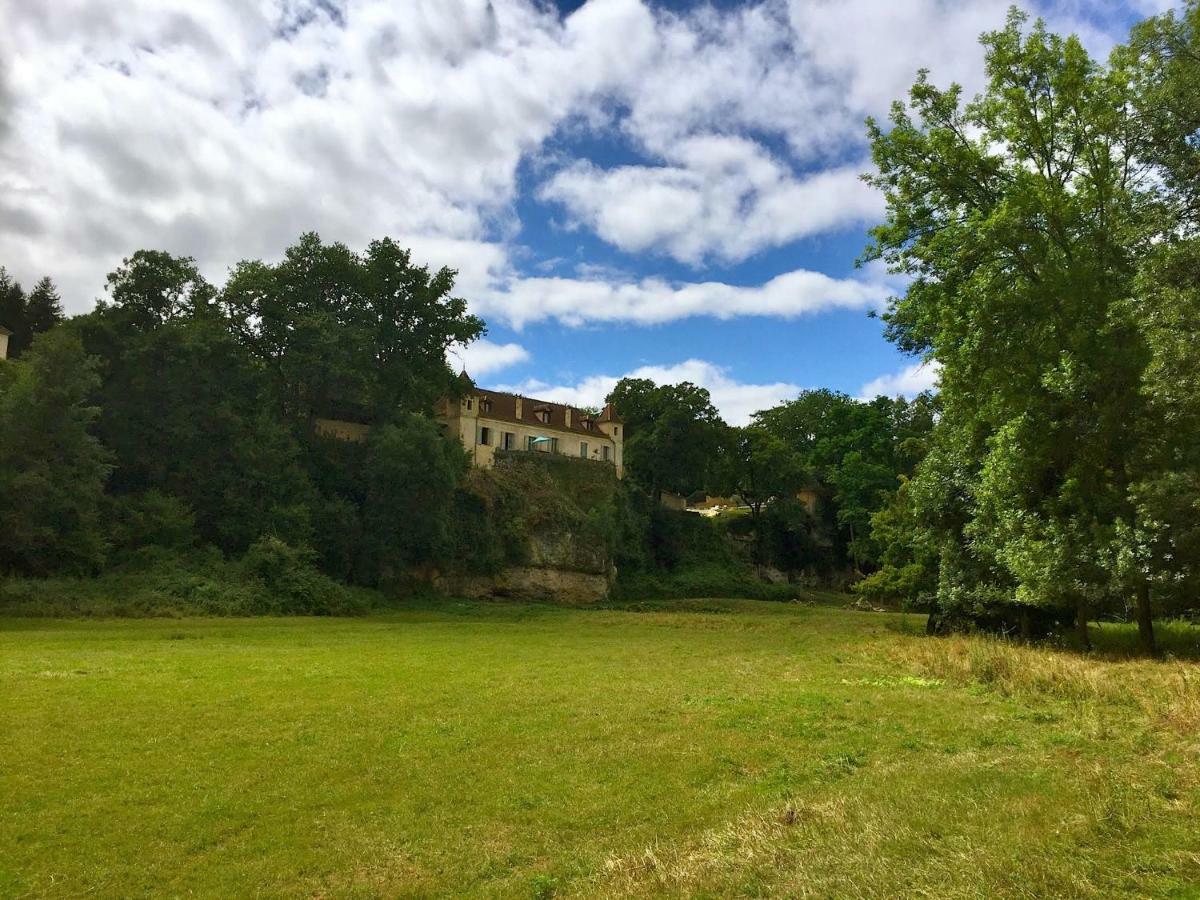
x,y
287,582
154,581
152,519
700,582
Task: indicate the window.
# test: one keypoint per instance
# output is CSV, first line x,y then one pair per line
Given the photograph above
x,y
544,416
530,443
485,436
469,403
583,449
553,445
588,424
604,453
616,431
485,406
508,441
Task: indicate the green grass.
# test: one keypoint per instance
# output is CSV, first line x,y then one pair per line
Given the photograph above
x,y
708,749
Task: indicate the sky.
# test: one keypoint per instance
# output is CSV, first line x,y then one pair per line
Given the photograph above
x,y
663,190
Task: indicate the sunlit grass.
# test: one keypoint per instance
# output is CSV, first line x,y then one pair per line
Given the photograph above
x,y
712,748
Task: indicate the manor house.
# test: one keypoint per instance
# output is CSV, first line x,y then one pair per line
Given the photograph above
x,y
491,421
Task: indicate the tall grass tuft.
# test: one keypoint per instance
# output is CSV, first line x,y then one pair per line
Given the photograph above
x,y
1167,692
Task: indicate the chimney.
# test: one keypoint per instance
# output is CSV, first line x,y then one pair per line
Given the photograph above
x,y
568,415
519,399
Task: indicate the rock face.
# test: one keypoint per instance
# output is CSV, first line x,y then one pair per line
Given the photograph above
x,y
560,569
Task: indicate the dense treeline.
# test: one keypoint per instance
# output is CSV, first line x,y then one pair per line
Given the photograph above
x,y
805,477
1051,231
179,415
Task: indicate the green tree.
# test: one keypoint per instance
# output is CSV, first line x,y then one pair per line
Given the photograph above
x,y
855,451
349,335
43,307
672,435
1020,219
52,467
412,471
182,407
27,316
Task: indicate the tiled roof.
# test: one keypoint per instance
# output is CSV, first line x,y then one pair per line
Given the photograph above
x,y
504,407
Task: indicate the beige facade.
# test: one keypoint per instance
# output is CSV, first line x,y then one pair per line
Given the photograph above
x,y
4,336
487,421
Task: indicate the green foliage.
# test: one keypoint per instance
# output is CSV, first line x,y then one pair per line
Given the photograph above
x,y
183,410
672,434
341,332
853,453
530,496
27,316
1022,217
151,519
274,579
410,475
52,467
284,580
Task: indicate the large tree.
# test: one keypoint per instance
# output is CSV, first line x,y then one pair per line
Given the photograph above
x,y
1020,218
673,434
183,407
27,316
350,335
52,467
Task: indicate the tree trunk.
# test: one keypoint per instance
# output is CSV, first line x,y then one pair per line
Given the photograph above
x,y
1081,626
1145,619
1026,627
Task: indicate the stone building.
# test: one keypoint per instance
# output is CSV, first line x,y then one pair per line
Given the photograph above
x,y
5,334
490,421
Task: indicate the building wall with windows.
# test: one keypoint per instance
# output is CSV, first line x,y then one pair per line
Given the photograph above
x,y
487,421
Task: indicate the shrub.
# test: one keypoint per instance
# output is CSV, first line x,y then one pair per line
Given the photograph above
x,y
288,582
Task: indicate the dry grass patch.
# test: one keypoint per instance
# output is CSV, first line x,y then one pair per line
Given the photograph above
x,y
1166,692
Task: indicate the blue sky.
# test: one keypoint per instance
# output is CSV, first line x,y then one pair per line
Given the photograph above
x,y
662,189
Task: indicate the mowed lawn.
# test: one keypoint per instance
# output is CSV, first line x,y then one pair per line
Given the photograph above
x,y
707,748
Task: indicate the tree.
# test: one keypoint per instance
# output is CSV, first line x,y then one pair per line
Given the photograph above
x,y
1020,217
411,473
182,407
152,288
672,434
763,469
12,311
27,316
349,335
855,451
43,308
52,467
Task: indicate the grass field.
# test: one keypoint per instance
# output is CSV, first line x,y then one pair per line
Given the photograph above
x,y
706,748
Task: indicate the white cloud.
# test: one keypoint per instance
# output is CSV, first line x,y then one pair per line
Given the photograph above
x,y
575,301
224,129
484,357
724,196
735,400
908,382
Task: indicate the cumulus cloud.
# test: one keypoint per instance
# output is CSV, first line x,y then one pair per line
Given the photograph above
x,y
723,196
578,301
908,382
735,400
223,130
484,357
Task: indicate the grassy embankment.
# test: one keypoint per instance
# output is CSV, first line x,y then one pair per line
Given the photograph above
x,y
686,748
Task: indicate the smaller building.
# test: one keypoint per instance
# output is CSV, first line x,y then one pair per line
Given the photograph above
x,y
487,421
5,334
